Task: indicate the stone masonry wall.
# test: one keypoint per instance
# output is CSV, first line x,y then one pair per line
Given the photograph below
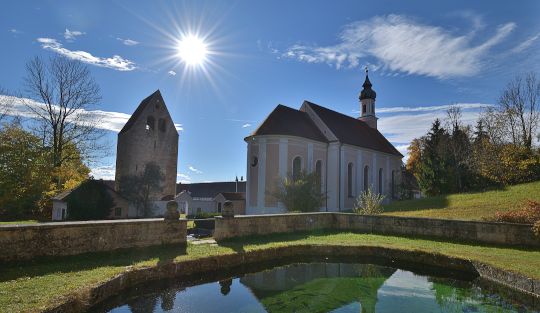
x,y
25,242
473,231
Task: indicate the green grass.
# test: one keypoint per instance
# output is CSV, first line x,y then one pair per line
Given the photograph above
x,y
37,285
467,206
22,222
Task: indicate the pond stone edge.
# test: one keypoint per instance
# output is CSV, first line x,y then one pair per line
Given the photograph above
x,y
85,299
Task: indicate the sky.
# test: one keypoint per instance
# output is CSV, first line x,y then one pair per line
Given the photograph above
x,y
423,56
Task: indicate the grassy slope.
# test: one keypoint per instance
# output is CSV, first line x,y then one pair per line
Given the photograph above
x,y
468,206
33,286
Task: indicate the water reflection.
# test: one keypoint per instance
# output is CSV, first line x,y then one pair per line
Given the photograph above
x,y
325,287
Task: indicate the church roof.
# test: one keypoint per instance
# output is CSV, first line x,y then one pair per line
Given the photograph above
x,y
352,131
146,101
288,121
210,190
233,196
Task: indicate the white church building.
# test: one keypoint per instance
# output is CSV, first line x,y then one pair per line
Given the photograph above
x,y
348,154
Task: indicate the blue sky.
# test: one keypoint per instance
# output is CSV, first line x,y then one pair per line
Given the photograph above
x,y
422,55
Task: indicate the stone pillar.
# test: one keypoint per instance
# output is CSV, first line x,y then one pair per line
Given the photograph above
x,y
172,214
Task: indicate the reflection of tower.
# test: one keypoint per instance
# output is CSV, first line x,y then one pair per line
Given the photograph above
x,y
149,136
367,103
225,286
167,299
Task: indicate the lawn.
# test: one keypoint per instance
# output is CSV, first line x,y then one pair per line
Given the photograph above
x,y
37,285
467,206
22,222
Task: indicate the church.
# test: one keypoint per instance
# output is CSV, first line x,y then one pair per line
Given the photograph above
x,y
348,154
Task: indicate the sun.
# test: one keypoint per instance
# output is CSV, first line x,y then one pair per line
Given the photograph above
x,y
192,50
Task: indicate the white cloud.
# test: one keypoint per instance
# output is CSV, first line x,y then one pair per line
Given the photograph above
x,y
526,44
14,31
194,170
246,125
70,35
108,120
105,172
115,62
172,73
128,42
400,44
179,127
183,178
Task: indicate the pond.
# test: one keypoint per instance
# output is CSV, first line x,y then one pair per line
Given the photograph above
x,y
323,287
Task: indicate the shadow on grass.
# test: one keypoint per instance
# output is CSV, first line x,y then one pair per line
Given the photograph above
x,y
66,264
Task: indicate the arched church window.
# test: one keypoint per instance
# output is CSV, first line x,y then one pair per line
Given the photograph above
x,y
161,125
366,178
350,180
318,172
393,185
150,121
219,207
297,167
380,185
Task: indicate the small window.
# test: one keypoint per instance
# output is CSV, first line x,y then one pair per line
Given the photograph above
x,y
219,207
254,161
117,212
366,178
150,123
318,172
363,108
297,167
162,125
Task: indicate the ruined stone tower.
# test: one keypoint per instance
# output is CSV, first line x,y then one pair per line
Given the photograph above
x,y
149,136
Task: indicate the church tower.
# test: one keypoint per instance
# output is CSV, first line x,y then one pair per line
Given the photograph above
x,y
367,103
149,136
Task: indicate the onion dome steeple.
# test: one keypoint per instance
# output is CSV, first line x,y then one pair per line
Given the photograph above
x,y
367,92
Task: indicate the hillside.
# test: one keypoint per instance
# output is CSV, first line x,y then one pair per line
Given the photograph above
x,y
467,206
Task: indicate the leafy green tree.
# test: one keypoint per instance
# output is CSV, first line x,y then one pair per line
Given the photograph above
x,y
24,171
301,194
90,201
140,188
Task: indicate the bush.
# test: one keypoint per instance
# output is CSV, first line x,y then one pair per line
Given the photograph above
x,y
536,228
529,214
369,202
301,193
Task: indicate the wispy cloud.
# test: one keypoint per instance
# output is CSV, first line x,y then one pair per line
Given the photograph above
x,y
128,42
246,125
179,127
115,62
183,178
14,31
400,129
526,44
172,73
463,106
106,172
401,44
194,170
108,120
70,35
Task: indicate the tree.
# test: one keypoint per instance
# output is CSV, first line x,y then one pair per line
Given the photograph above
x,y
24,171
62,91
519,104
90,201
139,188
301,194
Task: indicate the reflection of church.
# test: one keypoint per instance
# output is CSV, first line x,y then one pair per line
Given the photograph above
x,y
317,287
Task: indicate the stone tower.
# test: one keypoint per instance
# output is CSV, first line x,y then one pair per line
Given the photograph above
x,y
149,136
367,103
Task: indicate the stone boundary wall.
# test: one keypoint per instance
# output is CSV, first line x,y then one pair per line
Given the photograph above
x,y
471,231
24,242
85,299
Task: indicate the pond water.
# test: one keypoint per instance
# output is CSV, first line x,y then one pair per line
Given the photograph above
x,y
323,287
